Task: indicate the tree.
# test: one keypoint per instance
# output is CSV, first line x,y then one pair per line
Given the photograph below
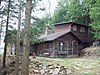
x,y
73,10
86,7
11,40
12,34
60,13
18,40
13,11
26,41
37,24
12,15
37,28
2,20
68,11
1,25
95,17
6,37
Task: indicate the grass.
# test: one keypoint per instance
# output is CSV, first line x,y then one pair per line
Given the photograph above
x,y
78,66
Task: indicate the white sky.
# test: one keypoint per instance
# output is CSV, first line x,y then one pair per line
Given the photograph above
x,y
52,5
47,5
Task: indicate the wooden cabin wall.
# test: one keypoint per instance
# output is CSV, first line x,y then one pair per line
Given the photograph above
x,y
53,47
84,36
60,28
68,39
44,48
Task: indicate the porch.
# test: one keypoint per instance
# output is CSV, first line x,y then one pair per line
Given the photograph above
x,y
66,49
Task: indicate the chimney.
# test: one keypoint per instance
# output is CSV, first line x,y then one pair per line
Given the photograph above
x,y
47,30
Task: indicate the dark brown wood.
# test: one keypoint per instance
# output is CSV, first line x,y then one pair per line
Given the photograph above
x,y
71,43
62,28
43,48
54,49
84,36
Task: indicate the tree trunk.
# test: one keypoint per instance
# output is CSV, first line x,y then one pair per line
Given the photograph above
x,y
6,37
18,40
26,39
1,28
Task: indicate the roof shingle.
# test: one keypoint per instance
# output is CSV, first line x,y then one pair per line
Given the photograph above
x,y
53,36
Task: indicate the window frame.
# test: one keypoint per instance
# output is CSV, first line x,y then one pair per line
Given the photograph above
x,y
82,29
74,27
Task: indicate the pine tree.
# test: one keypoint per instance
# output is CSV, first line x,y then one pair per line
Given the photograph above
x,y
6,37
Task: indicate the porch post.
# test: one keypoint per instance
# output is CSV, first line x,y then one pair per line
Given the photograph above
x,y
73,45
67,48
53,49
77,47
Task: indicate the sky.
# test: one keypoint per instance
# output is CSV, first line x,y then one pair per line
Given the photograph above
x,y
49,6
52,4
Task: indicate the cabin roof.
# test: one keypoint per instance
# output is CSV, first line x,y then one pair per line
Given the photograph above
x,y
62,23
53,36
56,35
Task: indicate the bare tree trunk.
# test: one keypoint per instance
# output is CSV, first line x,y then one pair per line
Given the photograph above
x,y
26,39
1,28
18,40
6,37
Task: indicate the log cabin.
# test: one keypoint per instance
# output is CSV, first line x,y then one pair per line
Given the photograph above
x,y
68,39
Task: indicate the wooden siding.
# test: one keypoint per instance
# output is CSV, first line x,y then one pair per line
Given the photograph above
x,y
60,28
71,47
83,36
44,48
72,42
67,39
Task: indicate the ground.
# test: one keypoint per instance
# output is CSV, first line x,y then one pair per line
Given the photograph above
x,y
77,66
74,66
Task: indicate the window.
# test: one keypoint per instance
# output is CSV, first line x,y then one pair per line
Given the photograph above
x,y
82,29
74,27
